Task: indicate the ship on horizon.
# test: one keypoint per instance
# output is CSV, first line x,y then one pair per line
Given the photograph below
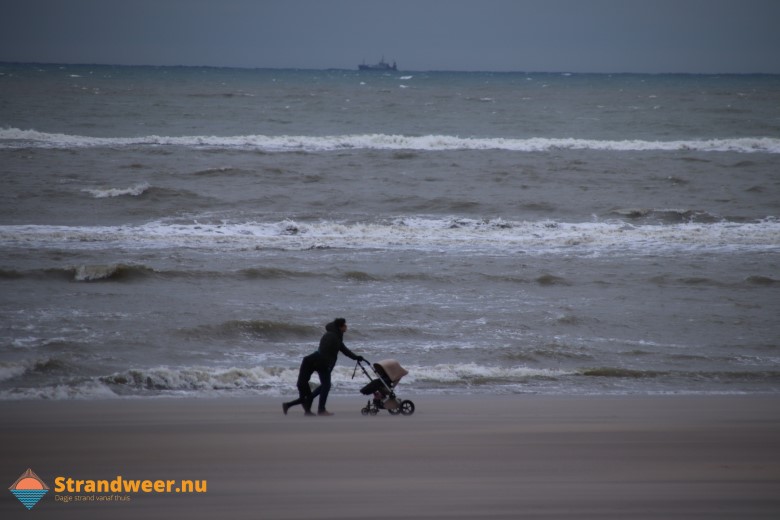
x,y
381,66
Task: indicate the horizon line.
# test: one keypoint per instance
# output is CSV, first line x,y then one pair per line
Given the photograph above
x,y
325,69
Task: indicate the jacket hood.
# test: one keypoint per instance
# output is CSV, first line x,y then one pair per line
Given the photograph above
x,y
331,327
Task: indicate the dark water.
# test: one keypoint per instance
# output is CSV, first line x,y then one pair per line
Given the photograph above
x,y
189,231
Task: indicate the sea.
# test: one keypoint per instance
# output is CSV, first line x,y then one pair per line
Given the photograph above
x,y
190,231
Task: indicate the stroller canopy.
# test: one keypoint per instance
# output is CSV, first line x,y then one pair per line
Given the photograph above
x,y
392,368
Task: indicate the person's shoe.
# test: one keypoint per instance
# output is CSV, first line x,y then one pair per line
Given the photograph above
x,y
285,407
325,413
309,413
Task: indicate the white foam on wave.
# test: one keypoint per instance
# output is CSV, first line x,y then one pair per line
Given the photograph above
x,y
59,392
277,380
132,191
268,380
16,138
204,378
471,373
9,370
413,233
87,273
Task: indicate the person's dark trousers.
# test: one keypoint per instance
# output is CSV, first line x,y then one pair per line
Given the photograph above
x,y
308,366
323,370
305,400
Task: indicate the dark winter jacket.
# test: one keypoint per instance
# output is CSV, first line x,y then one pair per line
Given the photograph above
x,y
332,343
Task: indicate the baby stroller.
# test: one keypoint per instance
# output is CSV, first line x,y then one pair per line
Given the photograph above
x,y
388,373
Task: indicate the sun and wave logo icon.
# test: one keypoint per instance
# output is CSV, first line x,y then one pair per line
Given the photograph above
x,y
29,488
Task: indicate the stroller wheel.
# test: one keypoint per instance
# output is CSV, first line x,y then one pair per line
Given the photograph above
x,y
394,411
374,411
364,411
407,407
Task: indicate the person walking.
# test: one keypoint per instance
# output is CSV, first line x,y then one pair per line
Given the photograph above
x,y
322,361
331,343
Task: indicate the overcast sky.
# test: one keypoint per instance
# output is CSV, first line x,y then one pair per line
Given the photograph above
x,y
523,35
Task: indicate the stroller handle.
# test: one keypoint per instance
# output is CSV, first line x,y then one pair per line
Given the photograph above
x,y
358,363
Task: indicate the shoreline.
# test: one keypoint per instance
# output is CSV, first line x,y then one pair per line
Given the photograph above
x,y
455,457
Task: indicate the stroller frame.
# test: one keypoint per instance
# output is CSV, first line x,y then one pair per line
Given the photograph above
x,y
382,387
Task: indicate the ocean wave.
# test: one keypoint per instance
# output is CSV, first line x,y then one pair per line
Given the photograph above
x,y
262,329
620,373
698,376
138,272
665,216
471,374
277,380
59,392
170,381
761,280
467,378
132,191
198,379
10,370
408,233
92,273
83,273
754,280
273,273
444,375
17,138
37,367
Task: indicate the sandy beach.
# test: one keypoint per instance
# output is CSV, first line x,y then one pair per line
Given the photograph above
x,y
456,457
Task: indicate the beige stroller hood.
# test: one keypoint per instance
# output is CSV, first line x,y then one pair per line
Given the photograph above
x,y
392,368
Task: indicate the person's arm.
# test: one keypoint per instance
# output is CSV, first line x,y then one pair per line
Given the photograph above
x,y
343,348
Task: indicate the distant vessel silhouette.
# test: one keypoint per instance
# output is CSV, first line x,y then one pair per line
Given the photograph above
x,y
382,65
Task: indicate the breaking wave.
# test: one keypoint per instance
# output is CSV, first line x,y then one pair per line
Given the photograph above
x,y
471,378
412,233
83,273
271,380
133,191
198,379
92,273
17,138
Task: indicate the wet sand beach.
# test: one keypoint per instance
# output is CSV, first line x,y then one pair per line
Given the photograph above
x,y
456,457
